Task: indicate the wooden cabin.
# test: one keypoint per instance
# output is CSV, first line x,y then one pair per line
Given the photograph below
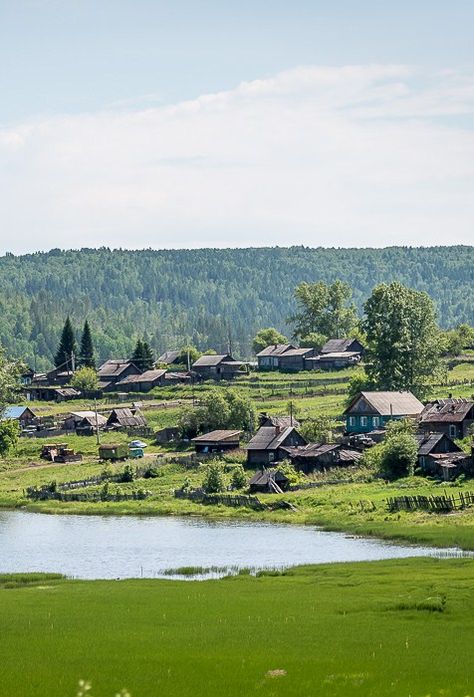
x,y
269,443
218,441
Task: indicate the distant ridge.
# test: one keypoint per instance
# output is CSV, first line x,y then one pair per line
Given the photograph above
x,y
206,296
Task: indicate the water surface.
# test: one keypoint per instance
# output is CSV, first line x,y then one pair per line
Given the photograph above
x,y
92,547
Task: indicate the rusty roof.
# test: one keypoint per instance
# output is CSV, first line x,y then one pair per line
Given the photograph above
x,y
447,410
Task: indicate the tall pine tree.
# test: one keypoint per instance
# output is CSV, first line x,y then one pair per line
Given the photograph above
x,y
143,356
67,348
86,354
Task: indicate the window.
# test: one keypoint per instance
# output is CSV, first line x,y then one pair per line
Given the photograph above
x,y
352,420
376,421
363,421
452,430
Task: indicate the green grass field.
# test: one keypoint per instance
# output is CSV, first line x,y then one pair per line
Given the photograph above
x,y
402,628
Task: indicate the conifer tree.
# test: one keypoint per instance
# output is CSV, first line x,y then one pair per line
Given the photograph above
x,y
67,348
148,356
143,355
86,357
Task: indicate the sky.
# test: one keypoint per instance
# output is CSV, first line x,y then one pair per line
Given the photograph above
x,y
188,124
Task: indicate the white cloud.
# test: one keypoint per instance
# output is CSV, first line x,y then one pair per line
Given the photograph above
x,y
359,155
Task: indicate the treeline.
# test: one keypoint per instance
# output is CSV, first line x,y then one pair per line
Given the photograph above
x,y
206,297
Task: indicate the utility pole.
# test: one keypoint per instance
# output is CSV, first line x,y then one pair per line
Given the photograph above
x,y
97,434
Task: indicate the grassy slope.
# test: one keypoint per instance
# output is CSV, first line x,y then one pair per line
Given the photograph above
x,y
386,628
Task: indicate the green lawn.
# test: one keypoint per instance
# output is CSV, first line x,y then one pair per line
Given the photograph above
x,y
401,628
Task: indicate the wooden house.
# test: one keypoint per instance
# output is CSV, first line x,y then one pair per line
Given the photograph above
x,y
454,417
169,358
143,382
24,415
342,346
49,393
84,423
216,367
269,443
217,441
320,456
369,411
126,418
294,360
114,370
269,481
269,357
434,444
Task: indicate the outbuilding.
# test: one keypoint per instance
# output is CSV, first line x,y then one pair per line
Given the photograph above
x,y
217,441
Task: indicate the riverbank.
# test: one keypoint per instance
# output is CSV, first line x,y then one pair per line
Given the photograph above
x,y
358,507
399,627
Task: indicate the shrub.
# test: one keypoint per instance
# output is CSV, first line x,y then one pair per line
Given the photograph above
x,y
214,481
128,474
238,478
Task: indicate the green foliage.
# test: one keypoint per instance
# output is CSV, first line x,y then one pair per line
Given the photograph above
x,y
85,379
403,339
10,372
220,408
267,337
86,351
324,309
143,355
318,429
191,296
286,468
188,352
67,348
9,433
214,479
128,474
398,457
238,478
313,340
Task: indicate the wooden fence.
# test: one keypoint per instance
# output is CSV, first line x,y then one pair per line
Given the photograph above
x,y
433,504
233,500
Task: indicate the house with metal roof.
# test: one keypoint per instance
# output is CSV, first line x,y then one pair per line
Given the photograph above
x,y
143,382
369,411
218,441
216,367
269,357
268,444
24,415
454,417
342,346
434,444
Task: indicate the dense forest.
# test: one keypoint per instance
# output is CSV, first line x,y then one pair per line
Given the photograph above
x,y
203,296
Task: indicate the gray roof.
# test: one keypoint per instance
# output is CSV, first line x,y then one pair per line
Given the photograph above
x,y
210,360
282,421
218,436
427,442
263,477
147,376
168,357
269,437
275,350
297,352
337,345
447,410
126,417
113,367
389,403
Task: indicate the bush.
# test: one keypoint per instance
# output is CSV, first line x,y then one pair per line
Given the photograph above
x,y
238,478
127,475
214,481
398,457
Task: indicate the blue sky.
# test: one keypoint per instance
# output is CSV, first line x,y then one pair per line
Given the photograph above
x,y
108,112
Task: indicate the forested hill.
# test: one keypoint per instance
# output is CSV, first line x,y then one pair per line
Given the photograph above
x,y
201,295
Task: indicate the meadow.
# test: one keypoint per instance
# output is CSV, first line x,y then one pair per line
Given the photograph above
x,y
400,627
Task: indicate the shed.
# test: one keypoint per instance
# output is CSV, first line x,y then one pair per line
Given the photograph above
x,y
320,456
144,382
294,360
270,481
217,366
217,441
24,415
126,418
343,346
430,444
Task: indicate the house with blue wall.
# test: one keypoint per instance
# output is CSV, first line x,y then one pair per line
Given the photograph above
x,y
370,411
